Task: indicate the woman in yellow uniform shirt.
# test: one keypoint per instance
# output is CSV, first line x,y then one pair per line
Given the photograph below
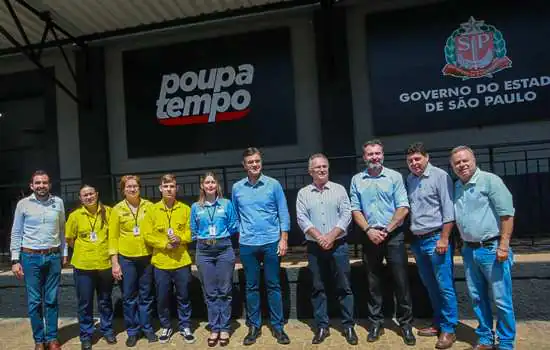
x,y
131,259
166,229
86,231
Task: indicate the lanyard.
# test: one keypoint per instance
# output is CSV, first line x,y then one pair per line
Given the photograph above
x,y
212,213
92,226
169,216
131,212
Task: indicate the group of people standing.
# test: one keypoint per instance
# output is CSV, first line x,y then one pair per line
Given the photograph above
x,y
144,245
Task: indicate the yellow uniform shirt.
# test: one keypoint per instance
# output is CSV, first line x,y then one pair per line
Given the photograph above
x,y
122,239
155,228
91,239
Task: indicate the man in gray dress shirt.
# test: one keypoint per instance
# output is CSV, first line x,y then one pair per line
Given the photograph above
x,y
430,191
324,214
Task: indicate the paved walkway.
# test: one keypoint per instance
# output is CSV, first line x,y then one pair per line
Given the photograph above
x,y
16,334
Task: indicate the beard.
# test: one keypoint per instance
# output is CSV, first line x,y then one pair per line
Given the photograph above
x,y
374,166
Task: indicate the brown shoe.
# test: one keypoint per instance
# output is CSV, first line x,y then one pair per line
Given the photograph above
x,y
484,347
39,346
445,341
428,332
54,345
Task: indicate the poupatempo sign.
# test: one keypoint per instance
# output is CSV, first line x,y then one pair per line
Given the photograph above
x,y
208,95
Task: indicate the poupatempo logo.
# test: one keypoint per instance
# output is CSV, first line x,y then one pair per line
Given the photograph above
x,y
200,97
475,50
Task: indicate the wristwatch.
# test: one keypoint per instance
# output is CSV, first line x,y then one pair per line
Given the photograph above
x,y
367,229
15,261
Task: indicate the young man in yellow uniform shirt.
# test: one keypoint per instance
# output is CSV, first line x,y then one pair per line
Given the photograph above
x,y
86,231
166,229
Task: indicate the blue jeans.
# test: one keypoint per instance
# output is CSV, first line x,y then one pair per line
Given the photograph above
x,y
436,272
137,288
87,282
484,273
251,257
216,264
164,280
333,267
42,275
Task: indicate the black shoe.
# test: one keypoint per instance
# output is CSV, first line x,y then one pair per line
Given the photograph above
x,y
151,337
110,339
351,336
282,337
408,335
320,335
253,334
132,341
374,333
86,345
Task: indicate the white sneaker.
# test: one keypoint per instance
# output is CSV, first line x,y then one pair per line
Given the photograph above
x,y
188,336
165,335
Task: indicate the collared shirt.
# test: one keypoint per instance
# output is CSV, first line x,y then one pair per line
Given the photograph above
x,y
378,197
431,199
122,239
220,214
479,204
155,227
38,225
91,238
323,209
261,209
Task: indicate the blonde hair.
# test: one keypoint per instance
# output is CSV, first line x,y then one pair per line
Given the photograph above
x,y
202,195
168,178
125,179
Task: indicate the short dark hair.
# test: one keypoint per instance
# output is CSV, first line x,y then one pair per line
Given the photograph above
x,y
39,173
417,147
373,142
250,151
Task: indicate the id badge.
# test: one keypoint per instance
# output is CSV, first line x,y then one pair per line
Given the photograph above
x,y
93,236
170,231
136,230
212,231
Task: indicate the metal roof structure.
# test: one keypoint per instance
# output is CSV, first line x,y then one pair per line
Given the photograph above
x,y
28,27
30,22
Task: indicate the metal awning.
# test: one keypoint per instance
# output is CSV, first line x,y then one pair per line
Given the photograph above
x,y
83,21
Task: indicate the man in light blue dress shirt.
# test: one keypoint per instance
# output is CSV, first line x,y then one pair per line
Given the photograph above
x,y
38,252
261,207
430,192
484,213
324,214
379,206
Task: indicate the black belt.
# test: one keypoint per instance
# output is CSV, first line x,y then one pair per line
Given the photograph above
x,y
41,251
484,243
428,235
212,241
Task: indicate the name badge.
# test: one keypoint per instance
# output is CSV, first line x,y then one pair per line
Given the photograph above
x,y
170,231
212,231
136,230
93,236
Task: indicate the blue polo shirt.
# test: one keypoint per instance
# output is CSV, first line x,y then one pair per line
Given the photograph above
x,y
220,214
261,209
479,204
431,199
378,197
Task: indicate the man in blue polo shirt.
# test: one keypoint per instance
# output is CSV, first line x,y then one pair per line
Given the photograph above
x,y
379,205
430,191
262,210
484,213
